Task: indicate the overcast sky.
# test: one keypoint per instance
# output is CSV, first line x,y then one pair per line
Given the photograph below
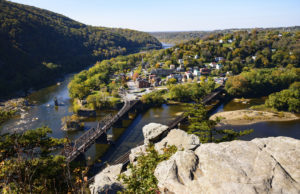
x,y
176,15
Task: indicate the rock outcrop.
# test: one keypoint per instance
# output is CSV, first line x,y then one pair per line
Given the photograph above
x,y
153,131
268,165
180,139
136,152
106,181
263,165
174,174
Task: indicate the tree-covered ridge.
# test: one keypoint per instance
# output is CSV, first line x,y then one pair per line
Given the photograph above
x,y
259,49
235,51
177,37
37,45
239,51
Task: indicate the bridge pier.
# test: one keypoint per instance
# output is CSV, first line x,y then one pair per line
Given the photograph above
x,y
80,160
99,135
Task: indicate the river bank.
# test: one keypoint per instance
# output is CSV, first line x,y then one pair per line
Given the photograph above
x,y
16,107
247,117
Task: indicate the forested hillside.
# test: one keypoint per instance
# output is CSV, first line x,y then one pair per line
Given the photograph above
x,y
181,37
37,46
178,37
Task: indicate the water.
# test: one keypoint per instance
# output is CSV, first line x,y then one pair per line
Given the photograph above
x,y
134,135
127,136
166,45
262,129
44,113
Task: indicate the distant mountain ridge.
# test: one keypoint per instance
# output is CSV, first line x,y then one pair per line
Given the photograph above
x,y
37,46
176,37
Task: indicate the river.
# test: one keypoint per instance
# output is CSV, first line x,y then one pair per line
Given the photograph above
x,y
44,113
166,45
262,129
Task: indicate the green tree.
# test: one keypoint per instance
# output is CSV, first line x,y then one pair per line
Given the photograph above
x,y
154,98
205,129
286,100
171,81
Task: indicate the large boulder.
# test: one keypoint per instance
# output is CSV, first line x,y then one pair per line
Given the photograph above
x,y
268,165
178,171
106,181
180,139
153,132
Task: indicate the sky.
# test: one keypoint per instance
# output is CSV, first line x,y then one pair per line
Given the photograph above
x,y
176,15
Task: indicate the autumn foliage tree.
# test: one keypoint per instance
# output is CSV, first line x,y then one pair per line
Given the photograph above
x,y
27,164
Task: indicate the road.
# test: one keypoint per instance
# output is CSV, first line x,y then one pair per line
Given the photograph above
x,y
133,91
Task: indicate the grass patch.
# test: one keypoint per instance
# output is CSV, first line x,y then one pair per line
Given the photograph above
x,y
281,114
263,107
246,117
227,45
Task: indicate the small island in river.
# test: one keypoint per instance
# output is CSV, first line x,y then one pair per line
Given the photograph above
x,y
246,117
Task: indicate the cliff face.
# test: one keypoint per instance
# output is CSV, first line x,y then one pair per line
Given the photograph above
x,y
266,165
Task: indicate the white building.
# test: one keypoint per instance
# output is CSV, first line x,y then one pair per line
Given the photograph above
x,y
189,75
196,72
218,66
215,65
180,61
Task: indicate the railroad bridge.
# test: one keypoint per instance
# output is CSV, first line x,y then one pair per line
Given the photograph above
x,y
81,144
214,95
87,139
